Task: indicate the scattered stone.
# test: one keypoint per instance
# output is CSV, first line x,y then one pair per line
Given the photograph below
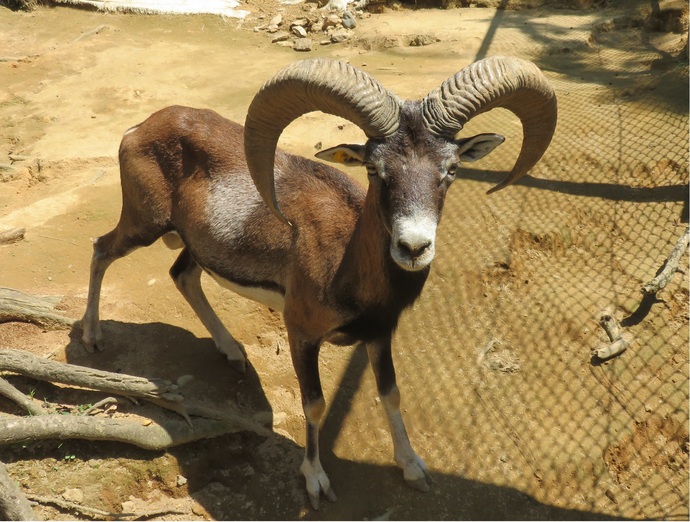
x,y
181,481
317,26
286,43
348,20
340,35
303,44
423,39
276,20
325,42
299,31
129,506
75,495
279,418
280,37
301,22
332,20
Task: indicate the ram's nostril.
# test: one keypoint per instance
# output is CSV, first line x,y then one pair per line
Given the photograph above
x,y
415,249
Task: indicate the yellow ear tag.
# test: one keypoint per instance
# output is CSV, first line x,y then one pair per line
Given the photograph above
x,y
340,156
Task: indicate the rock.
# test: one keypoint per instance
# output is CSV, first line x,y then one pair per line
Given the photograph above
x,y
181,481
75,495
286,43
348,20
332,20
300,22
129,506
340,35
276,20
279,418
299,31
317,26
423,39
280,37
302,44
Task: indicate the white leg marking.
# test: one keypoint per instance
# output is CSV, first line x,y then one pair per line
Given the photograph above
x,y
317,481
414,469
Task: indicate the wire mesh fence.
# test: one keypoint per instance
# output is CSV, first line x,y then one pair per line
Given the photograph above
x,y
510,393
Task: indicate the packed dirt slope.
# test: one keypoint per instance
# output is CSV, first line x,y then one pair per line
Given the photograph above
x,y
500,392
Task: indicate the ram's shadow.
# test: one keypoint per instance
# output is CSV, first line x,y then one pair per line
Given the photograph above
x,y
247,476
163,351
609,191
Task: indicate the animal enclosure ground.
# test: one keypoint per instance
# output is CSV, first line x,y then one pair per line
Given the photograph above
x,y
500,393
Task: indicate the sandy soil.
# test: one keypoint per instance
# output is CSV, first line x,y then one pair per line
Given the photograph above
x,y
531,430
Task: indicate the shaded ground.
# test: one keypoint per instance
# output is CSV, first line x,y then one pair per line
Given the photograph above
x,y
533,430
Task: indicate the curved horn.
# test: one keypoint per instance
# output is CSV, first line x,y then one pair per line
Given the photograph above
x,y
510,83
305,86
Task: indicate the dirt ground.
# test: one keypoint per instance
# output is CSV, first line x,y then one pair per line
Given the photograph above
x,y
500,392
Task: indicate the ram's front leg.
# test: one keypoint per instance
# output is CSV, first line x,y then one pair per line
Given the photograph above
x,y
414,469
305,358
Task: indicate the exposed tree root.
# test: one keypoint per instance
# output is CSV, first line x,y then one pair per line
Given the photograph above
x,y
13,504
39,310
155,436
28,365
12,393
99,514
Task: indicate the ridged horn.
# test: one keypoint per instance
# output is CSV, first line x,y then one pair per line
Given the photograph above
x,y
312,85
511,83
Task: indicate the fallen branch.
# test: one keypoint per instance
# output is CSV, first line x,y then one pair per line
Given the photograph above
x,y
155,436
12,236
13,504
28,365
12,393
39,310
670,266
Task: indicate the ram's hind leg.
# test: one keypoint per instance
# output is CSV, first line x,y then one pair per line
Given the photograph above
x,y
106,249
186,273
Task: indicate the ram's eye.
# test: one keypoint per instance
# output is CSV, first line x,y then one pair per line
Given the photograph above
x,y
452,169
371,170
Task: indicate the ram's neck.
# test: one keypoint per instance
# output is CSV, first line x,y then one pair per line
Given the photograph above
x,y
368,272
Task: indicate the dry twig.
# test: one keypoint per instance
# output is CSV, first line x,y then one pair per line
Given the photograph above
x,y
670,266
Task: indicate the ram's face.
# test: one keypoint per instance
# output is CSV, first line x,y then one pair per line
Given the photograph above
x,y
410,173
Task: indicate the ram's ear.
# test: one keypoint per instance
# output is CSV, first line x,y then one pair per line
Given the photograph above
x,y
476,147
350,155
